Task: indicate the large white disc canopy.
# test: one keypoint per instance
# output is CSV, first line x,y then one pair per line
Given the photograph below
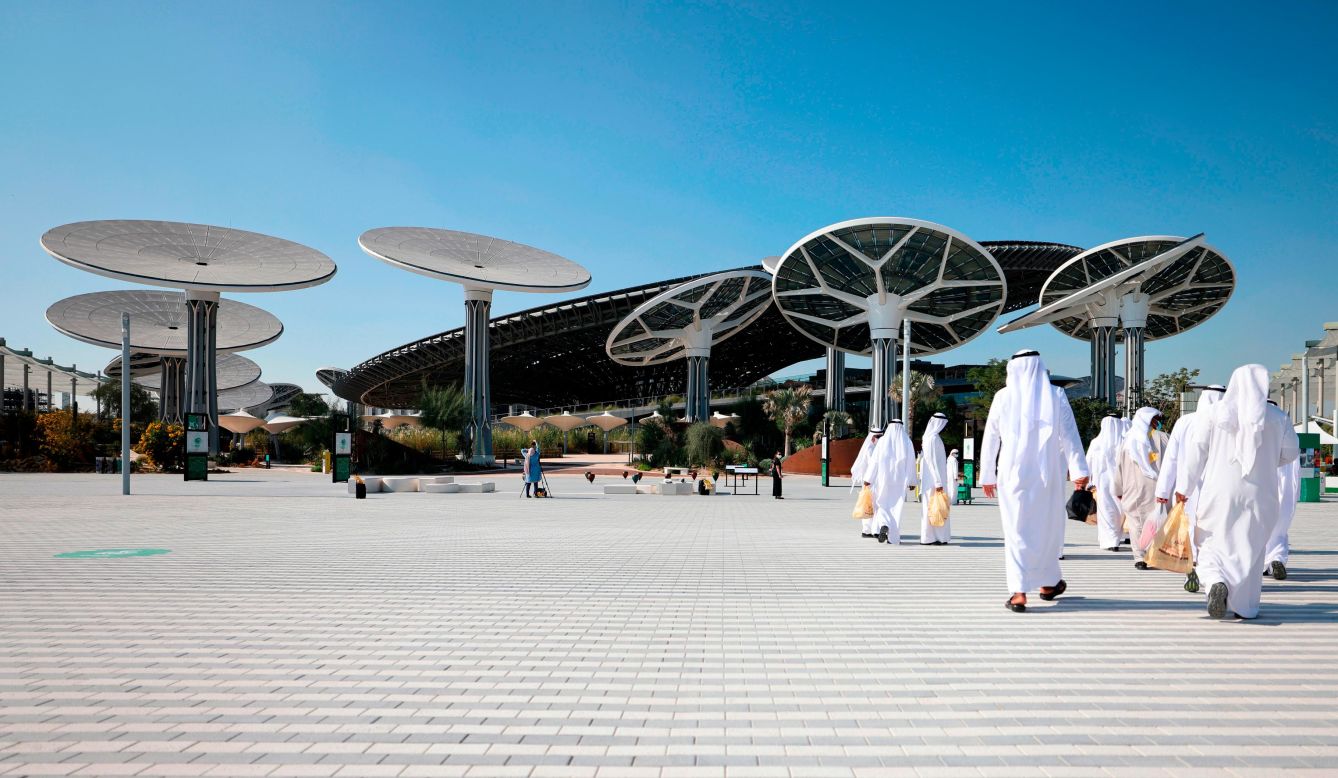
x,y
188,256
481,264
684,322
233,370
158,321
254,395
853,285
1132,290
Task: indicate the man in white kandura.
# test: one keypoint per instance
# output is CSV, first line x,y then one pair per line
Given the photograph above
x,y
954,469
1237,457
1171,479
1102,461
860,475
1136,476
933,478
1030,441
1289,493
893,471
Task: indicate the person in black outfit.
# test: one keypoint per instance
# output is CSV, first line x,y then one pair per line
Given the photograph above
x,y
776,476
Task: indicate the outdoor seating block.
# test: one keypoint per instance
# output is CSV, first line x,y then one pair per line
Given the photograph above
x,y
400,484
478,487
373,484
449,488
675,488
619,488
435,479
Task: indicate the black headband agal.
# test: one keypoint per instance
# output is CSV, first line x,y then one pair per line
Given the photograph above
x,y
1021,354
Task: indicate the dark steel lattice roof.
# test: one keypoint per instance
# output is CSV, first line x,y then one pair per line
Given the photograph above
x,y
554,355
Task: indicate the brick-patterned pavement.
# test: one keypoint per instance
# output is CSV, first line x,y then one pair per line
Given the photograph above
x,y
293,631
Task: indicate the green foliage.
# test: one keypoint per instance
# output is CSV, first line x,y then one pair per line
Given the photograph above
x,y
757,433
658,443
162,445
143,408
67,444
764,466
1163,393
704,444
788,407
923,394
448,409
1088,413
987,379
307,404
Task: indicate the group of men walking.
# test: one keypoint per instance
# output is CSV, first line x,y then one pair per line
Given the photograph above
x,y
1232,465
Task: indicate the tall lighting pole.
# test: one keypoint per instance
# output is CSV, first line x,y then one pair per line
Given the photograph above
x,y
125,403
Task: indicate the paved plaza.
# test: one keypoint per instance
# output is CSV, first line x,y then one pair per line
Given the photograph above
x,y
293,631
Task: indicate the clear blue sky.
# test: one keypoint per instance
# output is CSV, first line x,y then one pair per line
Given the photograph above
x,y
661,140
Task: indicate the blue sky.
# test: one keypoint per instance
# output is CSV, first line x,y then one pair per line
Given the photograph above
x,y
648,141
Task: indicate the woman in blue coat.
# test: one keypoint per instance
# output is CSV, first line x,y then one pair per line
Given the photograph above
x,y
533,472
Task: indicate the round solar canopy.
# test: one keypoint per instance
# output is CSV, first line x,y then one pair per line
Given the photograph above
x,y
477,261
233,370
1132,290
838,284
158,321
188,256
254,395
330,375
686,321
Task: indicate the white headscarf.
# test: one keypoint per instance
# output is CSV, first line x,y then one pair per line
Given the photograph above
x,y
1210,397
892,466
1138,443
1106,444
859,472
936,424
1032,422
1242,413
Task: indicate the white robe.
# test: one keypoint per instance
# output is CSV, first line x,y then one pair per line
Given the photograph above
x,y
859,474
1102,463
892,470
1032,487
1289,493
933,475
1238,511
954,468
1174,477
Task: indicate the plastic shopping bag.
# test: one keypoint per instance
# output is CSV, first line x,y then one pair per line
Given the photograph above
x,y
1081,505
863,505
1150,528
938,508
1171,548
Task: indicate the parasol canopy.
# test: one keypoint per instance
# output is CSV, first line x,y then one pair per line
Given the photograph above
x,y
240,422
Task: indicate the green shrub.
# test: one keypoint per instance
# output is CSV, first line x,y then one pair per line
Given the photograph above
x,y
704,444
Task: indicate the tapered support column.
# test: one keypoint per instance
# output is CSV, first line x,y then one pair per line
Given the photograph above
x,y
1103,363
201,359
906,373
1134,320
836,386
697,403
478,306
172,384
884,373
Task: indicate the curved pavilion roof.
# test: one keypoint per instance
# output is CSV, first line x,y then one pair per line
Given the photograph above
x,y
568,338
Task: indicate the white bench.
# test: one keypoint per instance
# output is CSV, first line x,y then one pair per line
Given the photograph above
x,y
373,484
674,488
400,484
478,487
619,488
439,488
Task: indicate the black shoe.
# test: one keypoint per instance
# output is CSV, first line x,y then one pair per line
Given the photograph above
x,y
1217,600
882,535
1061,557
780,498
866,535
1115,549
1015,607
1140,565
1279,571
1055,590
1192,582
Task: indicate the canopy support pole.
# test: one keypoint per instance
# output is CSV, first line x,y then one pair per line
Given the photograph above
x,y
478,306
884,373
125,403
906,374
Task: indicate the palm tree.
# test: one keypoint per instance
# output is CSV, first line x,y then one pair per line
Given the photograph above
x,y
448,409
922,390
836,423
788,407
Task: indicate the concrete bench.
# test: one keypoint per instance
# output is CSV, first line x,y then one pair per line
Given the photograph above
x,y
447,488
400,484
435,479
373,484
619,488
478,487
676,488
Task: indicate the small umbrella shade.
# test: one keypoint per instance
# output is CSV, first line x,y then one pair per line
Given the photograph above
x,y
1325,439
276,424
565,422
606,421
719,419
524,422
391,420
240,422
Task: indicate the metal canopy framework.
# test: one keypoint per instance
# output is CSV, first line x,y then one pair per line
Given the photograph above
x,y
481,264
568,340
860,286
36,377
1131,291
685,322
165,375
